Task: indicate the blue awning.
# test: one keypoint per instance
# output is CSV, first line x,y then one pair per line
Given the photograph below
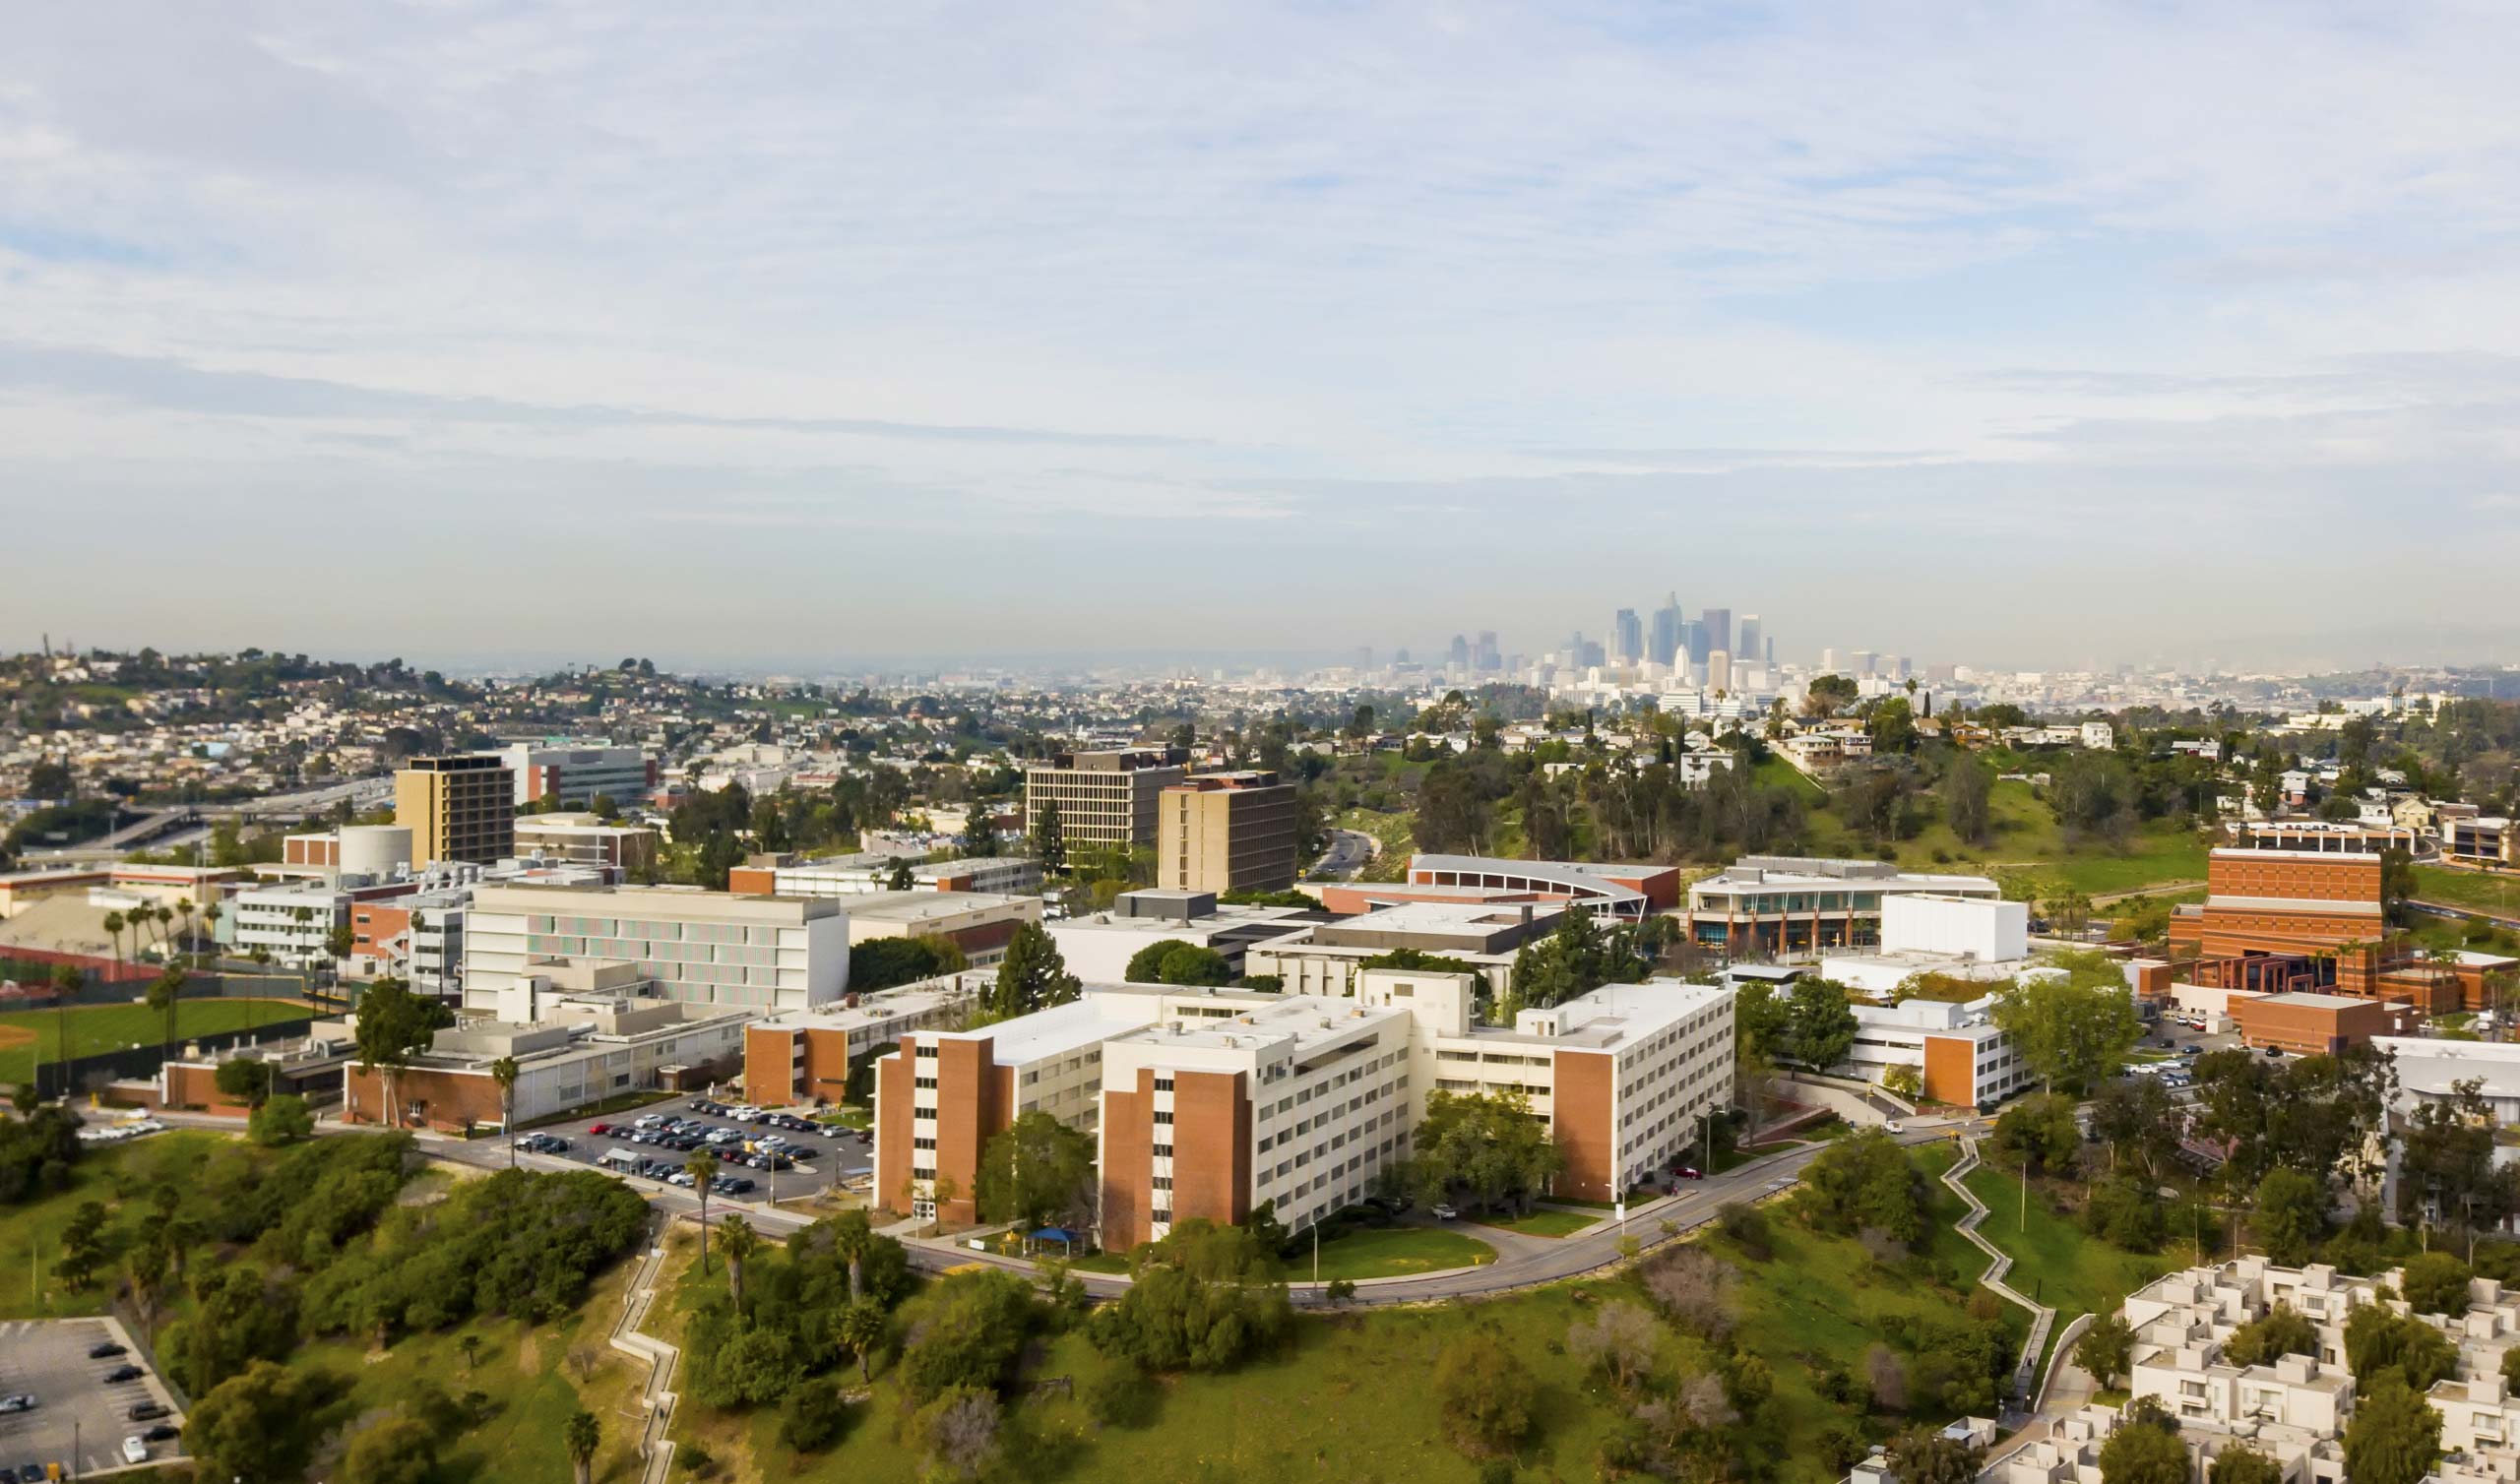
x,y
1053,1234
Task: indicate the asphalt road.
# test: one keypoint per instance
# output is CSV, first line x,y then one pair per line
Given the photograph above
x,y
1349,851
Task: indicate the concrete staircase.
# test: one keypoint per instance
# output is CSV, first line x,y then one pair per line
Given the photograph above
x,y
2041,1319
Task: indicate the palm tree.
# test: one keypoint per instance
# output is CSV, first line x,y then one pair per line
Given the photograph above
x,y
210,916
739,1241
861,1326
470,1346
113,929
165,920
165,992
580,1434
852,1236
503,1072
184,910
702,1167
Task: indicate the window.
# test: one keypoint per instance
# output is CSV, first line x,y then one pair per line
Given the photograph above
x,y
1164,1085
1164,1115
1163,1151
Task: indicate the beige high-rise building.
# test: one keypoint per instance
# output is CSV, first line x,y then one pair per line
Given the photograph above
x,y
460,808
1104,798
1226,831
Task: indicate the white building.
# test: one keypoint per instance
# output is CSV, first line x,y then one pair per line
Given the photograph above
x,y
1097,947
760,954
576,770
873,871
1961,1056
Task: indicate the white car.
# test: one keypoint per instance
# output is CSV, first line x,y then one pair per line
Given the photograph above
x,y
135,1449
1894,1127
679,1177
1442,1211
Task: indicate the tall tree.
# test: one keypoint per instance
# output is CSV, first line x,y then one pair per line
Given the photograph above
x,y
702,1167
1035,1172
739,1241
1049,838
2395,1437
392,1023
1031,976
164,993
1820,1025
504,1073
2074,1019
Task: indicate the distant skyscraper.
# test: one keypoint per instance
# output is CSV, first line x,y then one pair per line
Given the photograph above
x,y
1719,670
1400,656
1771,654
1666,632
1696,640
1460,657
1483,654
1828,661
1748,650
1864,662
1719,630
1364,656
1627,637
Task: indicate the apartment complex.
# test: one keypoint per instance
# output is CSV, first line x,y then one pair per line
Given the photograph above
x,y
1226,831
576,772
460,808
1103,798
1793,904
757,954
1208,1103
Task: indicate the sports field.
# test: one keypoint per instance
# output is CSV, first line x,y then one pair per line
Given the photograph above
x,y
28,1035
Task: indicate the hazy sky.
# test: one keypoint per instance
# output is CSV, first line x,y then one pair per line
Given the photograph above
x,y
2027,334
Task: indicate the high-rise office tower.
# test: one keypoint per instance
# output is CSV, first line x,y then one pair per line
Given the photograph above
x,y
1864,662
1748,650
1695,640
1828,661
1627,637
1718,623
1459,656
1666,632
1771,654
1719,670
1483,654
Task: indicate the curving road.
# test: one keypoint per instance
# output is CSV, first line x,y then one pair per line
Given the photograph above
x,y
1522,1261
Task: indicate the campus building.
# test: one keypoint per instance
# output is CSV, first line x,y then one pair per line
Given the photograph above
x,y
1097,947
460,808
978,923
1626,892
2311,921
1106,798
1226,831
1961,1056
873,871
575,772
1208,1103
757,954
1782,905
807,1056
1324,957
584,839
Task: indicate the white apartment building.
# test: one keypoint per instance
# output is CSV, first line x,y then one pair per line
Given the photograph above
x,y
293,923
1961,1056
761,954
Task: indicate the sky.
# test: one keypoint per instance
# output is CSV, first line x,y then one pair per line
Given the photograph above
x,y
771,335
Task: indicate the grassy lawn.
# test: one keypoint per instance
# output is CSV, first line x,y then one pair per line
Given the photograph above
x,y
1390,1251
2055,1260
110,1028
1542,1223
31,1234
2477,891
2026,839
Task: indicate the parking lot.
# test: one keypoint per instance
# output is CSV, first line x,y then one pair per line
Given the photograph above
x,y
822,1158
80,1419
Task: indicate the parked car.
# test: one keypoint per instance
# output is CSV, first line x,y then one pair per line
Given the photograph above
x,y
106,1351
2192,1051
148,1411
2276,1052
8,1473
649,1120
597,1130
1442,1210
1894,1127
1687,1172
18,1402
742,1185
679,1177
163,1432
121,1374
135,1449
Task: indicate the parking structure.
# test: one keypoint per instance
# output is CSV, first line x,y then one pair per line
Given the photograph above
x,y
823,1157
80,1419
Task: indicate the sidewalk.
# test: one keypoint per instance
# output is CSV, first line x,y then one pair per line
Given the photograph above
x,y
2042,1319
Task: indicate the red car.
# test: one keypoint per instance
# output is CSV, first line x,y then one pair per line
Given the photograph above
x,y
598,1128
1687,1172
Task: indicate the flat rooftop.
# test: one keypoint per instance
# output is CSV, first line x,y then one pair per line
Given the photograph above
x,y
1447,916
883,1005
1309,1022
2311,1000
915,907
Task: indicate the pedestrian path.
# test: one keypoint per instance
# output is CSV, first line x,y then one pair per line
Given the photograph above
x,y
1999,1264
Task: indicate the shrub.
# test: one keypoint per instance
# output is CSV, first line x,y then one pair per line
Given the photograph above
x,y
1485,1393
813,1416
